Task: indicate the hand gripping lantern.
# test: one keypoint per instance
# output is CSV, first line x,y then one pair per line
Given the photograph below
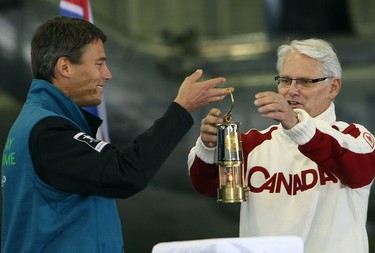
x,y
230,161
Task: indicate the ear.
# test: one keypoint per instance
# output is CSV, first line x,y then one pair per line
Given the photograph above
x,y
62,66
335,87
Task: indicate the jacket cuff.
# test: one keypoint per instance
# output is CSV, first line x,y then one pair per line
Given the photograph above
x,y
304,131
206,154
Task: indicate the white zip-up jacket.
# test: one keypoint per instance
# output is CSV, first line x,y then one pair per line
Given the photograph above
x,y
312,181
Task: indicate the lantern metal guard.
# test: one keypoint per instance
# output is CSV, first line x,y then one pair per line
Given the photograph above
x,y
230,161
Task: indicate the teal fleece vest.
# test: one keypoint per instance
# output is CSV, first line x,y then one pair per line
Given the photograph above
x,y
37,217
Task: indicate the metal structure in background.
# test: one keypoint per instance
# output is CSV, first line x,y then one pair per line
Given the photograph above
x,y
5,4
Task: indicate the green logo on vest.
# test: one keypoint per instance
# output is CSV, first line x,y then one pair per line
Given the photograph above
x,y
9,157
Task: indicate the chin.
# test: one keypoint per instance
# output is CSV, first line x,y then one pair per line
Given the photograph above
x,y
90,103
95,104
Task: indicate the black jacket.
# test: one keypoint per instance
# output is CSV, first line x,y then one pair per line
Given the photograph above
x,y
72,165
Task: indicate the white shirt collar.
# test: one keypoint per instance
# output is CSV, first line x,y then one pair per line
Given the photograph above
x,y
328,115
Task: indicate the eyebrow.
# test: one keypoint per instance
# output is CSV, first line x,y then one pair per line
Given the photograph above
x,y
286,76
102,59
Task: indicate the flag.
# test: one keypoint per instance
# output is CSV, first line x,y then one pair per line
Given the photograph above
x,y
82,9
77,9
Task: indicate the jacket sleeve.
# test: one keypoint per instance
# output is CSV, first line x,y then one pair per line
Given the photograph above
x,y
203,171
73,164
346,150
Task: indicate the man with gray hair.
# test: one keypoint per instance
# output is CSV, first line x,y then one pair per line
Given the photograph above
x,y
310,175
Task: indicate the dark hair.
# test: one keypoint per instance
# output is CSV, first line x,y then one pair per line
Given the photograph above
x,y
60,37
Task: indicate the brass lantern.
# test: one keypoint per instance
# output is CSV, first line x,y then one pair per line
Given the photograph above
x,y
230,161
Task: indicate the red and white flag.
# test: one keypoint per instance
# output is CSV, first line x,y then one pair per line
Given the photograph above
x,y
82,9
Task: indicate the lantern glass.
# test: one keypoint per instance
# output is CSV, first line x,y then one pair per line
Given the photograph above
x,y
230,161
230,174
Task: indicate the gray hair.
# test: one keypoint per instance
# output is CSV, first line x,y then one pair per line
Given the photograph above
x,y
317,49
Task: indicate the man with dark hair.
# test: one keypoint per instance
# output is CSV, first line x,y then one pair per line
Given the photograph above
x,y
60,183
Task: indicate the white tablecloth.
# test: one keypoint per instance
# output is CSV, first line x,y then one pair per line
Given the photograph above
x,y
278,244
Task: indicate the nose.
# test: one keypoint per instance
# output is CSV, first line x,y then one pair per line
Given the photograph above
x,y
107,75
293,88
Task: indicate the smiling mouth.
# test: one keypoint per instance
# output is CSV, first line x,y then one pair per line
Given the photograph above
x,y
294,104
99,90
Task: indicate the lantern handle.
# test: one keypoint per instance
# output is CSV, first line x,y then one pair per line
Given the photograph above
x,y
228,116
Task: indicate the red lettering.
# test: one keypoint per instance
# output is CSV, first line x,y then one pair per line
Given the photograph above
x,y
314,181
281,180
253,171
326,176
306,180
297,184
269,184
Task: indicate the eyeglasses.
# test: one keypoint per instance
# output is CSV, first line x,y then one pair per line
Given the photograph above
x,y
285,82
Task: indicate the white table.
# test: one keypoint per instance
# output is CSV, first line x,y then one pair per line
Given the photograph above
x,y
277,244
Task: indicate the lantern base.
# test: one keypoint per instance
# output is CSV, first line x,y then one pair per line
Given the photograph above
x,y
232,194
